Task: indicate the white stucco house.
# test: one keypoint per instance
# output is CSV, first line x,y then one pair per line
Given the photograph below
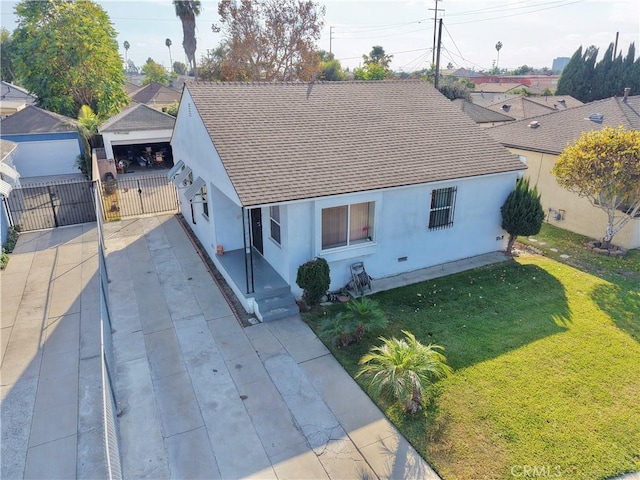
x,y
391,174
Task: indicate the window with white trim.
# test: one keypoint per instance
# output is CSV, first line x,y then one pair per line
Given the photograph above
x,y
443,202
274,221
205,201
347,225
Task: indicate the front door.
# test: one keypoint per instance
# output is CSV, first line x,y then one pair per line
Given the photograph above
x,y
256,229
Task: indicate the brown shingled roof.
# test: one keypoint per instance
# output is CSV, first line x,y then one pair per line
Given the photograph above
x,y
155,94
557,129
283,142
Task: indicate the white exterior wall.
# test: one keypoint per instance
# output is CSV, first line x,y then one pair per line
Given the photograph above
x,y
191,144
398,232
49,157
133,138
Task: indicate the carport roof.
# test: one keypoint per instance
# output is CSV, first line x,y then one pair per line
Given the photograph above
x,y
137,118
32,119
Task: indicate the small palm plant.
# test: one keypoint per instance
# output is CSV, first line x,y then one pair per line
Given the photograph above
x,y
400,369
365,315
361,315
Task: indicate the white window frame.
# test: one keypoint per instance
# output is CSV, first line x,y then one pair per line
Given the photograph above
x,y
273,221
350,243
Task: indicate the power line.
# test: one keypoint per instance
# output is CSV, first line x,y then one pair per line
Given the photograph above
x,y
517,14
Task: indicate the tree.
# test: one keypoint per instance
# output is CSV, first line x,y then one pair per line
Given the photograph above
x,y
498,48
371,71
126,46
522,212
154,72
88,123
401,369
67,55
523,70
273,39
330,68
187,11
604,167
378,56
578,76
180,68
167,42
131,67
453,88
6,63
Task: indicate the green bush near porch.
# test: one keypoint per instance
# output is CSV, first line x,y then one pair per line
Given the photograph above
x,y
546,364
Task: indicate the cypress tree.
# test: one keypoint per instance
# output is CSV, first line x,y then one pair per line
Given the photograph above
x,y
522,212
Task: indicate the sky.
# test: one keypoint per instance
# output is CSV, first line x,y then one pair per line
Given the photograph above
x,y
532,32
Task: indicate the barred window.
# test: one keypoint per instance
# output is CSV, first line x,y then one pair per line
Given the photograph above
x,y
442,207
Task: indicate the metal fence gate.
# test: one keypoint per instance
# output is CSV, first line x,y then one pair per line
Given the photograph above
x,y
39,206
138,195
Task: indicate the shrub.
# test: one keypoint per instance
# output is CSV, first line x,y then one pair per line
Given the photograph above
x,y
314,278
12,239
347,327
400,369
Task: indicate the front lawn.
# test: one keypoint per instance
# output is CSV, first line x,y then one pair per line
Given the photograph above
x,y
546,361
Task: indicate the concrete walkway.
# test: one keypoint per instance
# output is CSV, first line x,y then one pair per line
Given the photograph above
x,y
201,397
50,370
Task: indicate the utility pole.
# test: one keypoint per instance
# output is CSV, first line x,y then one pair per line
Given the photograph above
x,y
436,79
330,38
615,48
435,28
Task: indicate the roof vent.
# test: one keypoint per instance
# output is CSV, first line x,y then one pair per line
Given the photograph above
x,y
506,107
562,102
534,124
596,117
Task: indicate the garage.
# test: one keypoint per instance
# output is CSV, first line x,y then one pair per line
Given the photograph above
x,y
137,139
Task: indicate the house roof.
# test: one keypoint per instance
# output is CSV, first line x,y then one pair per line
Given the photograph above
x,y
526,107
138,118
555,130
154,93
480,114
9,91
33,119
485,99
6,147
131,88
499,87
283,142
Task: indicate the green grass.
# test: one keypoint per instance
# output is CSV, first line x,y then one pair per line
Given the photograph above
x,y
546,360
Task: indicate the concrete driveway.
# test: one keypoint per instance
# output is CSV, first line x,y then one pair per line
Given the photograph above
x,y
202,397
198,395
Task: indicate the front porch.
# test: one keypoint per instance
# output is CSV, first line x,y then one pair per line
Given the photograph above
x,y
257,284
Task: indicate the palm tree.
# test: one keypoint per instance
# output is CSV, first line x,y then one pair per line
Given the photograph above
x,y
126,46
498,47
187,11
167,42
401,369
87,127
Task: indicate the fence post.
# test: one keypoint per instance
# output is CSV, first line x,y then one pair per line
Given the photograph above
x,y
53,206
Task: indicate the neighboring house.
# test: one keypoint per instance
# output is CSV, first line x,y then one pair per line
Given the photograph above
x,y
9,178
391,174
48,143
484,99
538,141
13,98
128,134
482,115
527,107
500,87
155,96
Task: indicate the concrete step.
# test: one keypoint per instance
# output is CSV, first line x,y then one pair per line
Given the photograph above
x,y
268,292
278,306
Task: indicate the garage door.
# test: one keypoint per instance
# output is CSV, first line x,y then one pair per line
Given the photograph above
x,y
50,157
